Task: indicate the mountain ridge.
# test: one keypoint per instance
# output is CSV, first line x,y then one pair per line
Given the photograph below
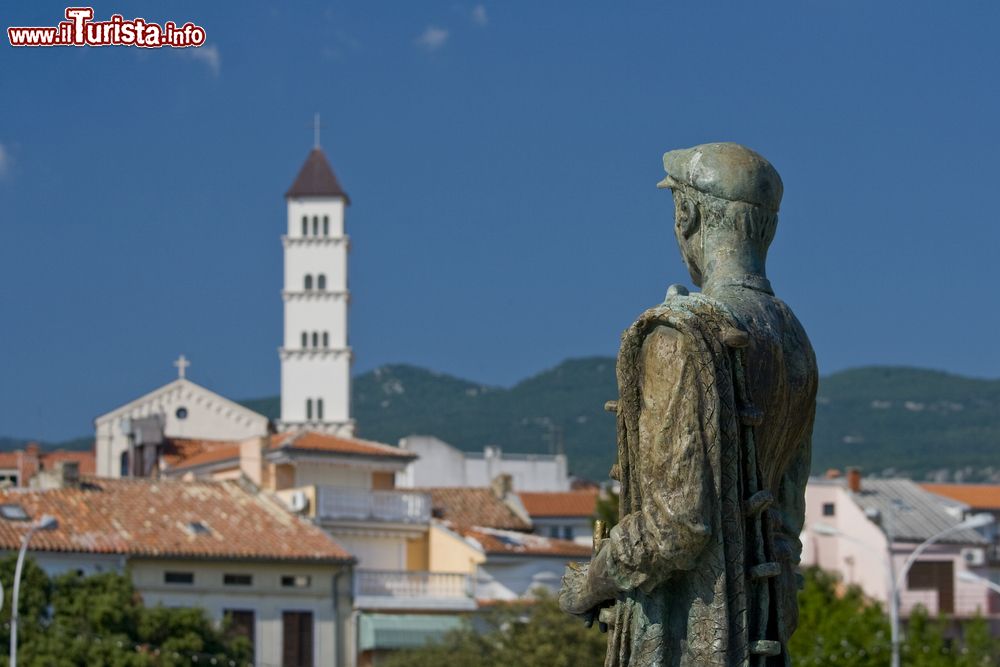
x,y
889,420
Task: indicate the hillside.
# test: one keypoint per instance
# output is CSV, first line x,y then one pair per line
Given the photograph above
x,y
888,420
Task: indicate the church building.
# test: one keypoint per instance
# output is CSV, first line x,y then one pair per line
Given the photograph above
x,y
315,358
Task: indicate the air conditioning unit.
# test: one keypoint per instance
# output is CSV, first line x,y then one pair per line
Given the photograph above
x,y
298,501
974,556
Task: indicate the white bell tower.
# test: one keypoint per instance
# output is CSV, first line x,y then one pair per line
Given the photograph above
x,y
315,357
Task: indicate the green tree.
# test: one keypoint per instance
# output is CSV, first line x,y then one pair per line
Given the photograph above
x,y
100,620
838,627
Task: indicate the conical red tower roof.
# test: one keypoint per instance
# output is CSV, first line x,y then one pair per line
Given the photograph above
x,y
316,179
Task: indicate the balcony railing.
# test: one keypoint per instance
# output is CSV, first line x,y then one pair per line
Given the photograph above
x,y
335,503
391,589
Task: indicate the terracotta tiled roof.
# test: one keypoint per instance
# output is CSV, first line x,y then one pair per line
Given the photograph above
x,y
473,506
152,518
86,460
178,452
223,452
30,460
560,503
322,442
316,179
513,543
976,496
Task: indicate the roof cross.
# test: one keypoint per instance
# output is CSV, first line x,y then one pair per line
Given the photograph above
x,y
316,130
182,363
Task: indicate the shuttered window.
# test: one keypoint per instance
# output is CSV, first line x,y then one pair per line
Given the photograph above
x,y
935,575
297,639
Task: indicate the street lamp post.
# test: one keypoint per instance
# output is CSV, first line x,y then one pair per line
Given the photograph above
x,y
896,580
45,523
973,578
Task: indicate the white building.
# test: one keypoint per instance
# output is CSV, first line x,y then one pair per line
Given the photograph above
x,y
212,545
442,465
315,356
129,438
846,528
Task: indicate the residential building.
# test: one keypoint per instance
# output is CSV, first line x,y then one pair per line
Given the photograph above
x,y
220,546
568,515
440,464
21,466
848,527
479,542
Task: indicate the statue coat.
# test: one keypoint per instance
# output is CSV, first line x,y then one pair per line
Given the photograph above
x,y
682,551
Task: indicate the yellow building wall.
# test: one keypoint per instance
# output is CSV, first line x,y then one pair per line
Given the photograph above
x,y
417,556
448,552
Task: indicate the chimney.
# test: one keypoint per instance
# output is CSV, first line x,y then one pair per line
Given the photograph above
x,y
68,473
854,479
502,485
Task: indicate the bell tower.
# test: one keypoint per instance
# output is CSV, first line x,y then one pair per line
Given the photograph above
x,y
315,356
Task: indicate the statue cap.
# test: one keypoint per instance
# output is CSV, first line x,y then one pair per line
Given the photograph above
x,y
725,170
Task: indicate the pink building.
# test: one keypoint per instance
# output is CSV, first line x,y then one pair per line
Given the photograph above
x,y
846,528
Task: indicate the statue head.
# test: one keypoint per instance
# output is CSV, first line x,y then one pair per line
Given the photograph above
x,y
726,200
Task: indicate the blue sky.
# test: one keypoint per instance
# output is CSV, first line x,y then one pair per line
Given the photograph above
x,y
501,159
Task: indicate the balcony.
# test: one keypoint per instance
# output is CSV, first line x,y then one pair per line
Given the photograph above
x,y
341,504
388,589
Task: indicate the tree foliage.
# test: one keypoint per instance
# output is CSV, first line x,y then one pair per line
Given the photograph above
x,y
75,620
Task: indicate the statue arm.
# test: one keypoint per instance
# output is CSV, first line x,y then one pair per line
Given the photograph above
x,y
791,501
673,525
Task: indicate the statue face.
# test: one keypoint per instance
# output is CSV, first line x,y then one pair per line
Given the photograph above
x,y
688,230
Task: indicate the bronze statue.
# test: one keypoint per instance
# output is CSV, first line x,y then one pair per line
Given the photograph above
x,y
717,394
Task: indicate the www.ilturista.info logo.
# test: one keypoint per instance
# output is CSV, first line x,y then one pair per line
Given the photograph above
x,y
81,30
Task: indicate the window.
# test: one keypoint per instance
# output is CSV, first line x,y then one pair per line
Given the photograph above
x,y
309,281
123,465
178,577
305,225
13,512
181,413
315,339
321,282
319,408
297,638
10,478
237,579
567,532
241,623
296,581
553,531
315,225
309,408
939,575
326,225
305,340
829,509
326,339
198,528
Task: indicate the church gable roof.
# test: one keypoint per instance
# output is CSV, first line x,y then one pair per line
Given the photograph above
x,y
316,179
207,397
